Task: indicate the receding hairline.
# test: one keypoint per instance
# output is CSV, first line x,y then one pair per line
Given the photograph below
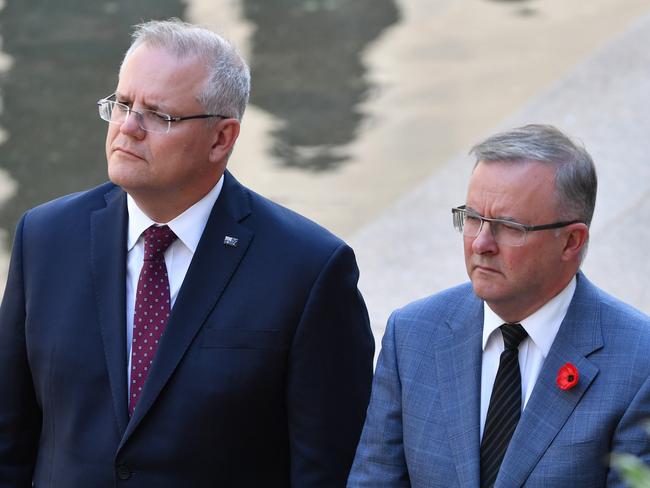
x,y
152,45
519,160
184,40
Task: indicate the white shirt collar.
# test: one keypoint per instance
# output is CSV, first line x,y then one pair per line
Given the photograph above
x,y
188,226
542,326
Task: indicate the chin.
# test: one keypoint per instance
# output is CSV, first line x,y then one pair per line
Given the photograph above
x,y
486,290
124,176
116,171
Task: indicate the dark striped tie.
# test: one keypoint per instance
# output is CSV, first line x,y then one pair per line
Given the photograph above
x,y
505,405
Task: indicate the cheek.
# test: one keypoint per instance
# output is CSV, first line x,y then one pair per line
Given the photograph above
x,y
512,262
467,251
467,247
109,141
521,265
110,135
163,153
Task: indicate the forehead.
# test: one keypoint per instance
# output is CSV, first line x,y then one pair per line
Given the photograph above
x,y
523,190
157,75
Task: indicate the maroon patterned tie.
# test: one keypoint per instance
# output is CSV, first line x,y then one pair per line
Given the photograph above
x,y
152,307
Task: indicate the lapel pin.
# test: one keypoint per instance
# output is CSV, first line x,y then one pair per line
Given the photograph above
x,y
230,241
567,377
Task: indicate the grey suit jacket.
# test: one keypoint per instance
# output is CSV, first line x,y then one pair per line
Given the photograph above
x,y
422,425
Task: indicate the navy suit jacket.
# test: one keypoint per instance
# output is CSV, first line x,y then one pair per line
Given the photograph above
x,y
422,428
262,376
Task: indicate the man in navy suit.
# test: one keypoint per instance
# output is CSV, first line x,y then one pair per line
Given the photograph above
x,y
530,375
173,328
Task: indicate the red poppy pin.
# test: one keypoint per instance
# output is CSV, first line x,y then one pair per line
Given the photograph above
x,y
567,377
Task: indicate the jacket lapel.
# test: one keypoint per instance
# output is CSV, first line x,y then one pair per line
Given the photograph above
x,y
108,227
549,407
458,363
214,264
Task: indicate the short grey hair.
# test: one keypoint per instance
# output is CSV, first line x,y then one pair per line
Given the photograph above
x,y
227,86
575,177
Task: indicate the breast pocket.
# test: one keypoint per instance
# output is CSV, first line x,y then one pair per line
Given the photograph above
x,y
231,338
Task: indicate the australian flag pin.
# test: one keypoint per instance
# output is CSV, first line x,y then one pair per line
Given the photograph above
x,y
230,241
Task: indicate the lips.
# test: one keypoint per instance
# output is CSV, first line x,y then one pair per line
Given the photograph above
x,y
126,151
486,269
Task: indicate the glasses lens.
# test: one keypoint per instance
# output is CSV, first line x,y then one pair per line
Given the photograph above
x,y
104,110
508,234
112,112
148,120
503,232
458,217
465,223
152,121
471,226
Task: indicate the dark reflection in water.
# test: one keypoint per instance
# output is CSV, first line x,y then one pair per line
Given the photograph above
x,y
306,63
308,72
66,55
525,10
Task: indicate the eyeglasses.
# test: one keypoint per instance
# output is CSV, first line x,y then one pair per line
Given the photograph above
x,y
505,232
115,112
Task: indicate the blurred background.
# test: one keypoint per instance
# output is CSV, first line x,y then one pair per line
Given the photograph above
x,y
355,106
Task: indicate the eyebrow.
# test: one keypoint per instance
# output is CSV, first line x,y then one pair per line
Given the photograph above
x,y
507,218
146,105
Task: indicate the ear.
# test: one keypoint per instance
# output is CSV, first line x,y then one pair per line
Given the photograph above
x,y
575,239
225,134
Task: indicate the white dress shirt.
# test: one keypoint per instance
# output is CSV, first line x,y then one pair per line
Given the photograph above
x,y
542,327
188,228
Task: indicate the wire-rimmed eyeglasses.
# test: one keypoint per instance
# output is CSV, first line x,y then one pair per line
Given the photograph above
x,y
506,232
115,112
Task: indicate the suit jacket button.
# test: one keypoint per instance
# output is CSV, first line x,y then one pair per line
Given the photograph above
x,y
123,472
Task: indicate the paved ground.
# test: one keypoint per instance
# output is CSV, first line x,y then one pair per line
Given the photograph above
x,y
411,250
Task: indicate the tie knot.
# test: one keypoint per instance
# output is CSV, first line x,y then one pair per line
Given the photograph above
x,y
513,334
156,241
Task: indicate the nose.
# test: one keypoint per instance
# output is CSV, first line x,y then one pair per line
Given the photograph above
x,y
484,242
131,127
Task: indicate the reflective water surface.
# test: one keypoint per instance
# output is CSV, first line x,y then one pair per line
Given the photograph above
x,y
353,102
305,58
63,61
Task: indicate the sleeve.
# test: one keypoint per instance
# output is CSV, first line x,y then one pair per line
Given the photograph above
x,y
330,375
380,460
630,437
20,416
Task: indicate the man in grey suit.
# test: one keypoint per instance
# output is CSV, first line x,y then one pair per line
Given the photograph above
x,y
528,376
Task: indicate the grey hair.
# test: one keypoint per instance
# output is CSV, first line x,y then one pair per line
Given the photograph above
x,y
575,177
227,86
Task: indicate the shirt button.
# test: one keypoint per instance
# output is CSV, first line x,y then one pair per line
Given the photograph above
x,y
123,472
